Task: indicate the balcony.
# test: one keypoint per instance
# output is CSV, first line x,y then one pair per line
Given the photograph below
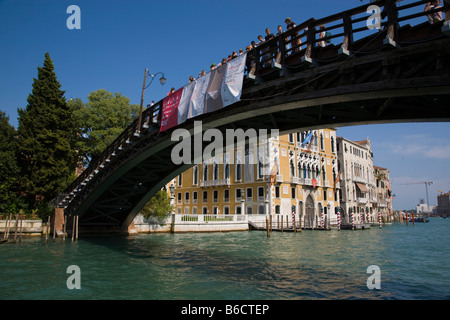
x,y
361,200
215,183
305,147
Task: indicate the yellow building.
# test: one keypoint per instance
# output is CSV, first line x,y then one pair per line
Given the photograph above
x,y
304,172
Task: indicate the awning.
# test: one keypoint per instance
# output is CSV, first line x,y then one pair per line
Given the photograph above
x,y
361,187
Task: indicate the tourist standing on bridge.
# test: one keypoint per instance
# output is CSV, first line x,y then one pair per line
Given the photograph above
x,y
436,16
291,25
267,50
279,33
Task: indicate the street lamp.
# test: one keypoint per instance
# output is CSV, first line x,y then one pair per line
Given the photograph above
x,y
162,80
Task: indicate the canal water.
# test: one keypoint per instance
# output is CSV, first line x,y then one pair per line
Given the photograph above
x,y
413,263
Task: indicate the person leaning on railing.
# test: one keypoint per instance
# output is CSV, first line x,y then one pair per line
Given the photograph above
x,y
435,16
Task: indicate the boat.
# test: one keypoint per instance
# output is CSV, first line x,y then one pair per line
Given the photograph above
x,y
419,220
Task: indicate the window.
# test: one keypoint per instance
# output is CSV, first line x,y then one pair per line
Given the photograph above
x,y
261,209
277,209
215,210
216,196
215,171
226,195
260,193
238,194
227,171
205,210
186,197
277,192
179,197
238,210
205,171
186,210
180,179
293,192
249,210
322,146
291,164
195,175
194,197
194,210
291,138
205,196
238,171
226,210
249,194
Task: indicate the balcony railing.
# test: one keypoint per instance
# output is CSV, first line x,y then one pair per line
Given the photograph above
x,y
215,183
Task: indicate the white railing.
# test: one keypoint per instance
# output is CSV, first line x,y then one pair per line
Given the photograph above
x,y
208,218
215,183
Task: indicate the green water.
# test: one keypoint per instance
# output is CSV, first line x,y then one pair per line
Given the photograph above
x,y
413,262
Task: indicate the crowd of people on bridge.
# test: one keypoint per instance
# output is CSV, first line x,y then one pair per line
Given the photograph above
x,y
295,44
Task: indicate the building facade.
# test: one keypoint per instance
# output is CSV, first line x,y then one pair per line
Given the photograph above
x,y
383,203
443,207
294,173
365,188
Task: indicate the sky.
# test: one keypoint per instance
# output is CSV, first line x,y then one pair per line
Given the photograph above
x,y
118,39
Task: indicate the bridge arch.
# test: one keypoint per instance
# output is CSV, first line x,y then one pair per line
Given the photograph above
x,y
400,74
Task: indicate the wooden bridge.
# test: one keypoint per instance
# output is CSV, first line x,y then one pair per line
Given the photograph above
x,y
399,73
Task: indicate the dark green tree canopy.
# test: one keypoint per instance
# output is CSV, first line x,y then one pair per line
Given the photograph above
x,y
102,119
46,136
9,169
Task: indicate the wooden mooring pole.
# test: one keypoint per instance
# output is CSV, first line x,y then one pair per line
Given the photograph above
x,y
64,229
267,227
15,228
76,234
73,227
47,230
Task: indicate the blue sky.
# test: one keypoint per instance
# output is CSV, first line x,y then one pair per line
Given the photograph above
x,y
119,39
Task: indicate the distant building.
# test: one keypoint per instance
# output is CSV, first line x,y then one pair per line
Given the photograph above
x,y
443,207
365,188
383,201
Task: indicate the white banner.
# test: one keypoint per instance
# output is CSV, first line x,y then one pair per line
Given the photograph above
x,y
214,91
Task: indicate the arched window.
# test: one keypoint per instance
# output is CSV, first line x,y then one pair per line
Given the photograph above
x,y
195,175
205,171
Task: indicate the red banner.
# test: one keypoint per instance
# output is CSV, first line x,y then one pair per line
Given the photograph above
x,y
169,117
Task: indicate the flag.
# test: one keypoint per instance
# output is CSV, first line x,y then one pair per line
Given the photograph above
x,y
308,138
336,181
273,173
314,181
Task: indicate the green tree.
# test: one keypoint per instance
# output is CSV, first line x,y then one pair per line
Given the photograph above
x,y
158,207
46,137
102,119
9,170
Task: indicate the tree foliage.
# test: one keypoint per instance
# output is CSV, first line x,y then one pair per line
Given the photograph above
x,y
102,119
46,137
158,207
9,170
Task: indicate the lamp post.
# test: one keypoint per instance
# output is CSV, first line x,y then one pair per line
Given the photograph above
x,y
162,80
172,197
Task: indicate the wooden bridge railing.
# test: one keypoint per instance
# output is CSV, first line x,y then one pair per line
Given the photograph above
x,y
299,46
348,34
